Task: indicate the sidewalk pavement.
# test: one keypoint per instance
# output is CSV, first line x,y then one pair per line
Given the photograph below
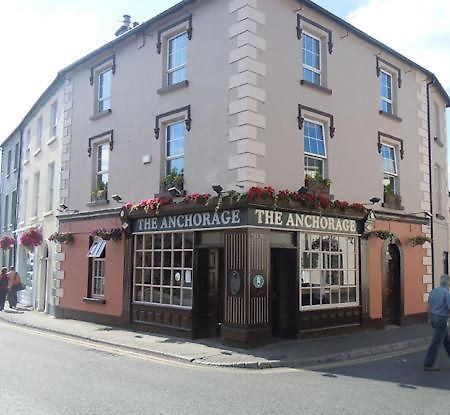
x,y
279,353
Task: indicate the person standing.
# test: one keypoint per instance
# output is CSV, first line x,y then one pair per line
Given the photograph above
x,y
439,308
13,283
3,287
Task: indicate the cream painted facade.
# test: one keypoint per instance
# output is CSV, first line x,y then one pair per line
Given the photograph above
x,y
244,72
39,196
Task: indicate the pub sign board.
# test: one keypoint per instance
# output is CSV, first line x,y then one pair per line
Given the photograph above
x,y
262,218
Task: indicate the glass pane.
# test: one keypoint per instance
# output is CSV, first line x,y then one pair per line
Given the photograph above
x,y
165,296
176,296
157,241
138,242
167,273
147,276
157,259
156,295
187,282
177,241
188,259
177,259
167,259
147,294
306,297
138,293
177,273
147,259
138,276
138,262
188,240
148,242
352,294
187,298
156,277
316,297
175,165
315,242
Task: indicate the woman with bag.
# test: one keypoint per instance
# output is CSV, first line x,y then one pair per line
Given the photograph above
x,y
3,287
14,285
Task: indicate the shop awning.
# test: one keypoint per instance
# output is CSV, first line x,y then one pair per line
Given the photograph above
x,y
96,249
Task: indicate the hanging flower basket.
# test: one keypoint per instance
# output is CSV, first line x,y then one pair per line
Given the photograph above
x,y
7,242
31,238
419,240
383,235
61,237
106,234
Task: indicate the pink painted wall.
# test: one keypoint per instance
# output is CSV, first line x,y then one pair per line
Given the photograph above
x,y
76,266
412,285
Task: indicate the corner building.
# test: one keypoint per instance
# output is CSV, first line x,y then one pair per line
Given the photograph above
x,y
197,96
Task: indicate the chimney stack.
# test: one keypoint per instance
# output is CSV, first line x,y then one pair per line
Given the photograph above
x,y
126,25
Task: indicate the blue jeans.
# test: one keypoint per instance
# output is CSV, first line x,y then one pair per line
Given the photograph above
x,y
440,335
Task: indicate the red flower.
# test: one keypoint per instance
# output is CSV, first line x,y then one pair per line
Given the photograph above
x,y
7,242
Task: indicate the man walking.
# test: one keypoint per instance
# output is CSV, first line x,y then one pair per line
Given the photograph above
x,y
439,308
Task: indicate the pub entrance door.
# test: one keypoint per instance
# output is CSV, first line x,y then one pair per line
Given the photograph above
x,y
285,293
392,287
210,292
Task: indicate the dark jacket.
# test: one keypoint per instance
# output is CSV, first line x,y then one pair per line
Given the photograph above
x,y
3,282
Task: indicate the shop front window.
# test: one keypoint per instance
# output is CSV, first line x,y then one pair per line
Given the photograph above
x,y
163,269
329,271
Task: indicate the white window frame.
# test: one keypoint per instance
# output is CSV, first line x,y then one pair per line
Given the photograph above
x,y
53,119
321,253
313,155
13,207
100,99
169,158
6,213
306,66
387,173
9,163
16,156
98,173
176,68
23,204
385,99
50,186
438,188
98,275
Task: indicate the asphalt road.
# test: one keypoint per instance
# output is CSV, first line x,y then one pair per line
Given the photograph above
x,y
43,373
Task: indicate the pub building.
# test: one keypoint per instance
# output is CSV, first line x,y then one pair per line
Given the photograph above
x,y
246,272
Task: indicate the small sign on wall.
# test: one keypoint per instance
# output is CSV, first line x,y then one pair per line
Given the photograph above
x,y
234,283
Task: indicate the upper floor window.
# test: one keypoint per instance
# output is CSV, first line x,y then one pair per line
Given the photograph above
x,y
175,148
311,59
6,216
389,169
23,200
53,119
51,186
176,58
13,207
36,194
9,161
16,156
315,149
104,90
386,92
97,263
39,133
101,172
27,145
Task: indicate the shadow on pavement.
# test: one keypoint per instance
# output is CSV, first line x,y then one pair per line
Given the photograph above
x,y
405,371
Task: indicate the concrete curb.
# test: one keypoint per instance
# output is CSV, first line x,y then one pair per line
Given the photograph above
x,y
269,364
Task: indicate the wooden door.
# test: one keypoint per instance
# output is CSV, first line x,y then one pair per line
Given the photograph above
x,y
392,287
208,293
283,265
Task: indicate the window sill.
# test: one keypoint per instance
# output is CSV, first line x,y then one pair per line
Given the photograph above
x,y
21,223
51,140
49,213
320,88
438,141
8,174
93,300
33,218
14,170
388,115
439,216
393,207
25,162
98,203
36,152
174,87
100,115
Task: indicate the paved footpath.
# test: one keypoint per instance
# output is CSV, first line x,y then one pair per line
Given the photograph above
x,y
279,353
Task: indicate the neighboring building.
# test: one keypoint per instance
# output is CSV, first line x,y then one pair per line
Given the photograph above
x,y
42,131
226,92
9,181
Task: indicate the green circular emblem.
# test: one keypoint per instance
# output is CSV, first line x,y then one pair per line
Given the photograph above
x,y
258,281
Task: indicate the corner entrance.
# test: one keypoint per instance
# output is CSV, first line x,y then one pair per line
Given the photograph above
x,y
284,310
210,292
392,287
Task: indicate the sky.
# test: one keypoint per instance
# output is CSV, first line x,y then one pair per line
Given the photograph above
x,y
40,37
